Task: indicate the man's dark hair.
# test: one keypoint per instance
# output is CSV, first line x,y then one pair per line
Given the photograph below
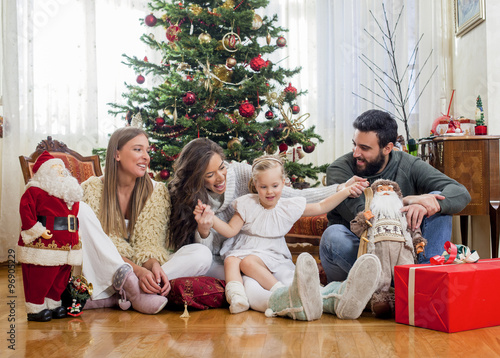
x,y
380,122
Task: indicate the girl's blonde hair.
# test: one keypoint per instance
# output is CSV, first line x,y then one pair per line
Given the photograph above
x,y
262,164
111,217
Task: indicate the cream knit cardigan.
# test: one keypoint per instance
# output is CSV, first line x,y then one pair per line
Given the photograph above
x,y
150,232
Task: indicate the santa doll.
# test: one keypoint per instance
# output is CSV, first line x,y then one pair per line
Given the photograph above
x,y
383,231
49,243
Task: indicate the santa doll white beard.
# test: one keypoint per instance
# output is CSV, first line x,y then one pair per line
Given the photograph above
x,y
65,187
388,206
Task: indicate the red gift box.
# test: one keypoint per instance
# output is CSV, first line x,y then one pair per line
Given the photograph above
x,y
448,298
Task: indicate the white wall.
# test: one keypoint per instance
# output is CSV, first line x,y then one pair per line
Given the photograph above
x,y
476,72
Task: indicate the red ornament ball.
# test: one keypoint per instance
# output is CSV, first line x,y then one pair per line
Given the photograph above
x,y
140,79
269,115
283,147
281,42
164,174
159,121
309,148
172,32
150,20
189,98
257,63
290,90
295,109
246,109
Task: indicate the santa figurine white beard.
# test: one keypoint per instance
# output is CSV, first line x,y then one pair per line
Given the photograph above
x,y
388,204
58,182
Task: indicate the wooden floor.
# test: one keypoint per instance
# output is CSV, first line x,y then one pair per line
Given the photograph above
x,y
217,333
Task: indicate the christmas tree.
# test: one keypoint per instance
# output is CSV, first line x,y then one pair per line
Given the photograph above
x,y
217,82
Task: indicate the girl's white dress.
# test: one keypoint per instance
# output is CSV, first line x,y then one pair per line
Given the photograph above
x,y
264,230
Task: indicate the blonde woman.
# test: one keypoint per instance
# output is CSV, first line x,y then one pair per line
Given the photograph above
x,y
125,229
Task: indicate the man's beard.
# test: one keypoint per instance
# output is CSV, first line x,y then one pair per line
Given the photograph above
x,y
371,168
66,187
388,206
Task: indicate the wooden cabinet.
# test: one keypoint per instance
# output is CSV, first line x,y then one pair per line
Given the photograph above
x,y
474,162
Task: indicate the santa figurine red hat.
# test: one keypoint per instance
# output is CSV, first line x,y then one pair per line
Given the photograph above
x,y
49,243
44,158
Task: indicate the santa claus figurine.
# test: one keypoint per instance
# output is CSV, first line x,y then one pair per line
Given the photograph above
x,y
49,243
383,231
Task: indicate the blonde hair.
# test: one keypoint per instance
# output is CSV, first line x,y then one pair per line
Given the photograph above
x,y
261,164
111,217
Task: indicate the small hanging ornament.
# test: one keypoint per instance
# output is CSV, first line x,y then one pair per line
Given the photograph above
x,y
283,147
309,148
204,38
231,144
300,153
268,38
159,122
290,90
140,79
256,22
257,63
172,33
145,58
165,174
189,98
230,41
295,109
210,114
281,42
231,62
150,20
246,109
269,115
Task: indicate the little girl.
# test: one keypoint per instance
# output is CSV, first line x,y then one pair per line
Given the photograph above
x,y
260,248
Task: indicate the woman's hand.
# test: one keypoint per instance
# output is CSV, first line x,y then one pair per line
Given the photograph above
x,y
152,278
203,215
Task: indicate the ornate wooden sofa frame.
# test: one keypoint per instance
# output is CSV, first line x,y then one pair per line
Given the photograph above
x,y
80,167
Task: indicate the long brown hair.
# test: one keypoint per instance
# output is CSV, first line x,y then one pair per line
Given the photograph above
x,y
111,217
187,186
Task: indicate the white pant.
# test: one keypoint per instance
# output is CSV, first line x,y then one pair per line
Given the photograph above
x,y
101,259
258,296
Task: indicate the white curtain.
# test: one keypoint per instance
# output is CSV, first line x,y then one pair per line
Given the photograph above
x,y
61,66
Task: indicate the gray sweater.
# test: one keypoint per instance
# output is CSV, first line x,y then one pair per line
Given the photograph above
x,y
414,176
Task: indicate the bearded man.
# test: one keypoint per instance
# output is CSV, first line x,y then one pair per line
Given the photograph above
x,y
383,226
429,196
49,243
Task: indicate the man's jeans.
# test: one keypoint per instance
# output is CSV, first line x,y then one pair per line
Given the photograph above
x,y
338,248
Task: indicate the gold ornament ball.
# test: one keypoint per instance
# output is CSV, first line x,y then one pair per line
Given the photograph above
x,y
256,22
222,73
233,142
231,62
204,38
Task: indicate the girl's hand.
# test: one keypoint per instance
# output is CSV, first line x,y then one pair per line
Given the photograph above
x,y
357,190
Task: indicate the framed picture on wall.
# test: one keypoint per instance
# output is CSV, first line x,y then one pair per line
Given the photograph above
x,y
468,14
